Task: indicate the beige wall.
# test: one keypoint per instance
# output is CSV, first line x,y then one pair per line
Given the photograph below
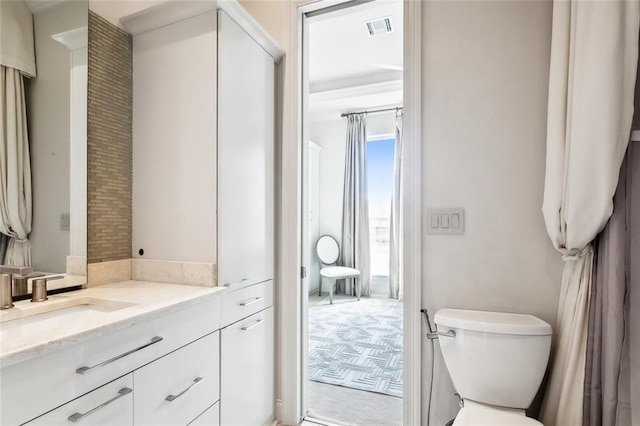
x,y
272,16
113,10
485,78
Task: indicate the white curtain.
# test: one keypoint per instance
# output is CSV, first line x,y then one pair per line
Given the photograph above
x,y
395,245
594,52
356,251
15,168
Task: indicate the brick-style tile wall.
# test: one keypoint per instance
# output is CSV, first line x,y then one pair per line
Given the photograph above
x,y
109,140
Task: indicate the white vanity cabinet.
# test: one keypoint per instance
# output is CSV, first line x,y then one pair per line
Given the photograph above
x,y
246,106
178,387
111,404
247,357
162,352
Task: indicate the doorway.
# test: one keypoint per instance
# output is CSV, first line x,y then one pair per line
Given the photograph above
x,y
353,64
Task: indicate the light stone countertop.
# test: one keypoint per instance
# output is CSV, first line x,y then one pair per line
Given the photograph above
x,y
30,329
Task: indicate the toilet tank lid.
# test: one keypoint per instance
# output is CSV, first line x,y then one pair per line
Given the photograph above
x,y
492,322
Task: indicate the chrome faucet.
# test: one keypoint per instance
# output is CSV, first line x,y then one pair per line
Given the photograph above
x,y
6,283
39,288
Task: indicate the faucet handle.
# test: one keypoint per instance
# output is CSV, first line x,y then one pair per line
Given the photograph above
x,y
6,293
39,287
16,270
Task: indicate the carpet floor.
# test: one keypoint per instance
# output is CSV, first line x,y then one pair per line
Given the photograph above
x,y
357,344
351,407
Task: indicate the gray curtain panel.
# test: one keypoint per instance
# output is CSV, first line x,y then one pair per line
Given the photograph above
x,y
612,368
355,251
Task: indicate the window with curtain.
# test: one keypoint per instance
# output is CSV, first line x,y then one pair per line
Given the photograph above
x,y
380,187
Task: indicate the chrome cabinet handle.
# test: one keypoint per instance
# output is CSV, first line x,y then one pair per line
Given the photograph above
x,y
76,417
195,382
251,301
249,327
244,280
86,369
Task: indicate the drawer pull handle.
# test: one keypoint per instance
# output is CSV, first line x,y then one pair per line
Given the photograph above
x,y
86,369
251,301
174,397
76,417
242,281
249,327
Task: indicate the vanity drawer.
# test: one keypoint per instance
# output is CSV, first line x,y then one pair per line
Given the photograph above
x,y
111,404
192,386
53,379
246,301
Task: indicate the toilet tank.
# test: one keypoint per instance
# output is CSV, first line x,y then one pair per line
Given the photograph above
x,y
495,358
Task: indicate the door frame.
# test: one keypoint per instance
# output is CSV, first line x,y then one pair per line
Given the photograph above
x,y
290,387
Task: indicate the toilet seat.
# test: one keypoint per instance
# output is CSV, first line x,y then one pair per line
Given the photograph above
x,y
477,414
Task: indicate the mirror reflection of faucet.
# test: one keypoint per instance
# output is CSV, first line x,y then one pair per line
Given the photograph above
x,y
6,283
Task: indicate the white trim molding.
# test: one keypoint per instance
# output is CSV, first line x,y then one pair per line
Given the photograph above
x,y
290,219
412,212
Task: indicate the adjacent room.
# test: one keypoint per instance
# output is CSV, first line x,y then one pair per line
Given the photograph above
x,y
352,216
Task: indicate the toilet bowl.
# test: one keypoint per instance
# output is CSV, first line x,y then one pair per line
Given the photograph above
x,y
479,414
496,361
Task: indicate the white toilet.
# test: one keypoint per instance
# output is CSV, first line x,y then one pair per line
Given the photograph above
x,y
496,361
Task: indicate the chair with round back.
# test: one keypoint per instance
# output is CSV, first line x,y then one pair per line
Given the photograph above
x,y
328,252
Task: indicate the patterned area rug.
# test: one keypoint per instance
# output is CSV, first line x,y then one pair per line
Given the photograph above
x,y
357,345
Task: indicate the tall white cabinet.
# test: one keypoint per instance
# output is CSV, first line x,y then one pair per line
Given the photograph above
x,y
204,130
246,105
245,157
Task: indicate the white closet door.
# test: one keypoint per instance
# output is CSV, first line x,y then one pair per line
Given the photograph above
x,y
245,157
314,215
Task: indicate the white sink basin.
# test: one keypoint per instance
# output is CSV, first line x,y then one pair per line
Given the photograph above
x,y
29,320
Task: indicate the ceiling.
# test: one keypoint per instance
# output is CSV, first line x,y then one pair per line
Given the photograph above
x,y
348,69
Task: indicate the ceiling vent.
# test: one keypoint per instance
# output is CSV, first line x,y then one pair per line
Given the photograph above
x,y
380,26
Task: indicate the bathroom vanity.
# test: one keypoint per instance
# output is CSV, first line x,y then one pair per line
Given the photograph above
x,y
137,353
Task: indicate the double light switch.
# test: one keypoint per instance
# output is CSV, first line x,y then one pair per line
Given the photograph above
x,y
445,221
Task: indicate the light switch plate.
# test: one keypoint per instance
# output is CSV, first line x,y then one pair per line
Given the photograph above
x,y
445,221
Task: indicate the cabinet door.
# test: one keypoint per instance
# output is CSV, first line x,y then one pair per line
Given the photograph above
x,y
178,387
247,366
245,157
211,417
111,404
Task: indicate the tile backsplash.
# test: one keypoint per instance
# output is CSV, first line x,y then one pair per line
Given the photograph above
x,y
109,141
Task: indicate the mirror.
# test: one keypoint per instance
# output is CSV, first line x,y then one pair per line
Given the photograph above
x,y
56,109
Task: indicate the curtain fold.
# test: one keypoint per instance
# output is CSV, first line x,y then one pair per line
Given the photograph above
x,y
608,378
17,50
594,52
15,169
355,251
395,245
